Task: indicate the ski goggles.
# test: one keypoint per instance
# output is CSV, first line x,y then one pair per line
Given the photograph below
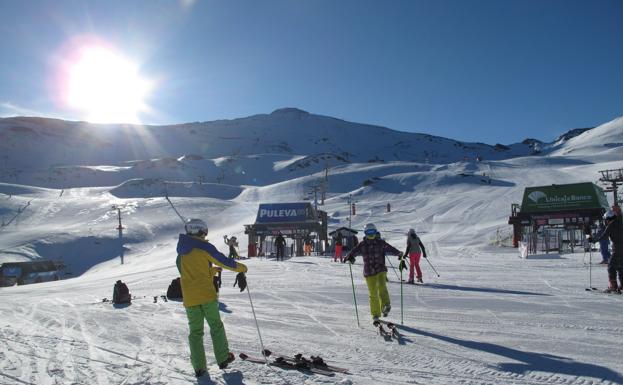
x,y
370,232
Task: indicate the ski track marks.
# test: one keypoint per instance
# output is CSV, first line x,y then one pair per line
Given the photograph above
x,y
519,323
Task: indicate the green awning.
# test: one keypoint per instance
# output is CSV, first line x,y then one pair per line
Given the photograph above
x,y
563,197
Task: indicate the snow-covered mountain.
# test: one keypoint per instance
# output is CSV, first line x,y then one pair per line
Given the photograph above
x,y
488,318
66,154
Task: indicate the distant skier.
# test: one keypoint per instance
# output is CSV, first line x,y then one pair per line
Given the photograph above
x,y
307,245
196,262
338,247
604,245
373,250
614,231
414,250
280,244
232,243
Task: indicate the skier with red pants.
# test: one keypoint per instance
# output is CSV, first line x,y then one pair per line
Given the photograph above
x,y
373,250
197,262
414,250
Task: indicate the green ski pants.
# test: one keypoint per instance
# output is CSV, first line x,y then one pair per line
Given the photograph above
x,y
196,315
377,288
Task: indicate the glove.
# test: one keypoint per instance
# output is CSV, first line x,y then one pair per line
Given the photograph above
x,y
425,255
349,258
400,255
241,280
403,265
217,283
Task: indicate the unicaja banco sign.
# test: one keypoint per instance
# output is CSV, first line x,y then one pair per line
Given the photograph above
x,y
575,196
284,212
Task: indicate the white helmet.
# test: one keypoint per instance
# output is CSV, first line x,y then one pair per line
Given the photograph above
x,y
196,226
609,215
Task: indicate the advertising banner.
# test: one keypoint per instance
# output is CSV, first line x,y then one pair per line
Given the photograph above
x,y
577,196
284,212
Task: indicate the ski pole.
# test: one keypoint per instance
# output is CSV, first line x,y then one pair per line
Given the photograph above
x,y
432,267
590,267
390,263
257,325
402,321
354,297
174,209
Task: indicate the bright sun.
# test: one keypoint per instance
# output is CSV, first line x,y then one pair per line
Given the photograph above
x,y
107,87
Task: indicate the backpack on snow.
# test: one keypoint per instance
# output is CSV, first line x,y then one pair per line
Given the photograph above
x,y
121,293
175,289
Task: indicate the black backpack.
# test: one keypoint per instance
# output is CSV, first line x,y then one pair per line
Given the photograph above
x,y
175,289
121,293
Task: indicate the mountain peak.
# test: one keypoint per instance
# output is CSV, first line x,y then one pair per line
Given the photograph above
x,y
289,111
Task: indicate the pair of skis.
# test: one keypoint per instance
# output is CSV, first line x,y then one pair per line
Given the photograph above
x,y
314,364
391,331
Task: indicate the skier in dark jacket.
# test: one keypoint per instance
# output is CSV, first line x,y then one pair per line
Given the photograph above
x,y
280,243
232,243
614,231
373,250
414,250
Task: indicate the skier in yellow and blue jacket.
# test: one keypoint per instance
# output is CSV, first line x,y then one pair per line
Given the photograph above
x,y
197,262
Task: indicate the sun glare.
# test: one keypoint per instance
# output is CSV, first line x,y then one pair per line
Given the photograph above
x,y
106,87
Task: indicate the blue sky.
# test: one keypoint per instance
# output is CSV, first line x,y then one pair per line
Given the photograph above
x,y
491,71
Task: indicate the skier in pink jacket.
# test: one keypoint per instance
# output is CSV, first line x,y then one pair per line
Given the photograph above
x,y
414,250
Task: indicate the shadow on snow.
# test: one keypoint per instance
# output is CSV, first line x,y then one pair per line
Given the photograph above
x,y
529,361
480,289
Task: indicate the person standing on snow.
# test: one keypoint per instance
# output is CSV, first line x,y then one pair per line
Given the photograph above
x,y
614,231
232,243
604,245
196,261
414,250
373,250
338,247
280,243
307,245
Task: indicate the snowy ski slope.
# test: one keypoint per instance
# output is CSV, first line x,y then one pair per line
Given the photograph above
x,y
489,318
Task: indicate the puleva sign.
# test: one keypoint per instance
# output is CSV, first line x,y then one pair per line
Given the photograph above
x,y
284,212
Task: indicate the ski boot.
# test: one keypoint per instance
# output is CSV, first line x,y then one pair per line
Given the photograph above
x,y
613,288
200,372
419,280
386,309
230,358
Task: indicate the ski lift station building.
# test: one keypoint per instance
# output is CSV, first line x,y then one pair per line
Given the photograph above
x,y
553,215
293,220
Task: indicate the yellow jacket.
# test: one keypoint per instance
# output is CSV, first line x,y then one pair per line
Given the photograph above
x,y
196,261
